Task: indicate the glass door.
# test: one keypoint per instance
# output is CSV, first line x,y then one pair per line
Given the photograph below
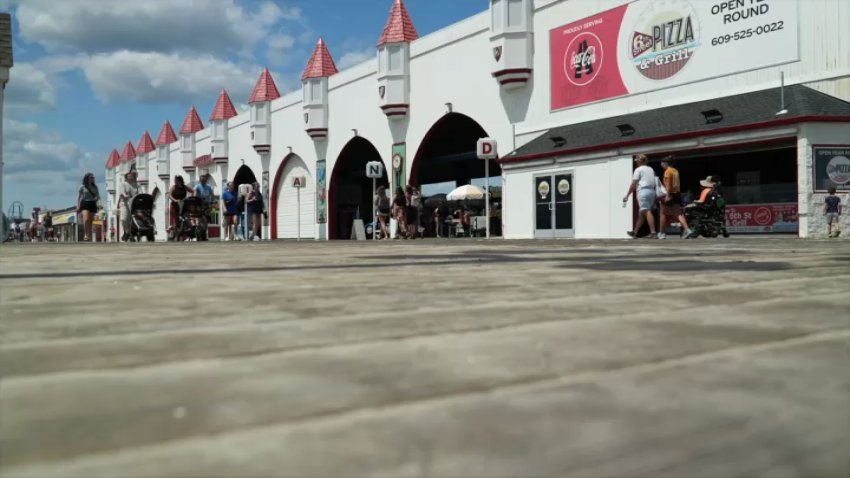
x,y
553,205
543,206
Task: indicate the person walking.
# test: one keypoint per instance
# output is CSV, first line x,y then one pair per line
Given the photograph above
x,y
382,206
256,206
87,199
413,200
671,206
643,184
129,190
230,204
832,212
399,211
48,226
178,192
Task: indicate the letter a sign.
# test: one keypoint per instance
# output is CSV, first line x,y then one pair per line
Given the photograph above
x,y
299,182
374,169
487,149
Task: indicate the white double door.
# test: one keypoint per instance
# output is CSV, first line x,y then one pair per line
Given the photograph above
x,y
288,200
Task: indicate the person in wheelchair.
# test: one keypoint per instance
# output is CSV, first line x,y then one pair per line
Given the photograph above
x,y
707,215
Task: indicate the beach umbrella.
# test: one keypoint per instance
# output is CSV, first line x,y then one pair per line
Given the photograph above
x,y
465,192
435,200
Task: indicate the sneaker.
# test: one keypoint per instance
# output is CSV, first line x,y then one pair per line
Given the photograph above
x,y
632,234
662,235
652,236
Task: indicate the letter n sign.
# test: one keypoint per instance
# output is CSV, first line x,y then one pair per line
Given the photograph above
x,y
374,169
487,149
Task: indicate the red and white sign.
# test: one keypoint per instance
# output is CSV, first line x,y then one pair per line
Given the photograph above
x,y
647,45
762,218
487,149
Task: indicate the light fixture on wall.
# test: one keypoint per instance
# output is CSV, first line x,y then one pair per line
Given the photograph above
x,y
782,110
449,107
354,131
558,141
712,116
290,149
626,129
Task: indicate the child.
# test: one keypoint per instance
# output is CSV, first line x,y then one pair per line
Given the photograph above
x,y
832,211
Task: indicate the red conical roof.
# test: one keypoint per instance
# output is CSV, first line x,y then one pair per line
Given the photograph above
x,y
223,109
166,135
129,153
265,89
192,123
145,144
114,159
399,28
321,64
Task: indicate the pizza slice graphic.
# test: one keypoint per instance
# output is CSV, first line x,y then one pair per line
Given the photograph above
x,y
641,42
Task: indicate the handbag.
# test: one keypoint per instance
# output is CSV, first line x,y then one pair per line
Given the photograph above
x,y
660,190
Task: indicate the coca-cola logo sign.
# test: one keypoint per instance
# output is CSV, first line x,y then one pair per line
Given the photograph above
x,y
583,59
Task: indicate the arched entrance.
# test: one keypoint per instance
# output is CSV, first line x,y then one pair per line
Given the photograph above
x,y
447,159
285,219
244,175
350,191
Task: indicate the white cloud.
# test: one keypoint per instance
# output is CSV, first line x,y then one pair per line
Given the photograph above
x,y
356,57
279,47
41,168
29,89
160,78
27,148
92,26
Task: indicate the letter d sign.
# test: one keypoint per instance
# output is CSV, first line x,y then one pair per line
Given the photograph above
x,y
487,149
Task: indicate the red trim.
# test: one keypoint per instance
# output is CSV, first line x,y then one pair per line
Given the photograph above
x,y
679,136
399,113
511,71
396,105
273,202
513,80
312,130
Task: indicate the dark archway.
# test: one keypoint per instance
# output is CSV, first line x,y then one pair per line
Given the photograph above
x,y
350,191
244,175
447,159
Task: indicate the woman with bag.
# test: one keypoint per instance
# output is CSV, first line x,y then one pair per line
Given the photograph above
x,y
382,204
256,206
87,198
644,185
130,189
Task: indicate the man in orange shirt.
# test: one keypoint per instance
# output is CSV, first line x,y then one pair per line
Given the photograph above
x,y
671,206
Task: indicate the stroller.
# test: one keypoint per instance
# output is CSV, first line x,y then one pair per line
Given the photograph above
x,y
192,223
142,223
708,219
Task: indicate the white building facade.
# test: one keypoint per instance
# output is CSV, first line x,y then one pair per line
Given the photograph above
x,y
571,90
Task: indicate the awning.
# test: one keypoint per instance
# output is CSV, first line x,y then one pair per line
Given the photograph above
x,y
66,218
756,110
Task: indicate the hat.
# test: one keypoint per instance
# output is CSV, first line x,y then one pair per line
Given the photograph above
x,y
708,182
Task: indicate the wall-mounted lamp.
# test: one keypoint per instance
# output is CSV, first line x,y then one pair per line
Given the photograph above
x,y
626,129
290,149
354,131
449,107
558,141
712,116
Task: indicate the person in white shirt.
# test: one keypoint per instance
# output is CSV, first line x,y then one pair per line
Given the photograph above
x,y
643,183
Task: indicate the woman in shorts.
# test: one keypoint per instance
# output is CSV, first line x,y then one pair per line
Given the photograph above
x,y
87,198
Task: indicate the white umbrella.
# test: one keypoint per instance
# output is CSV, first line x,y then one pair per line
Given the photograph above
x,y
465,192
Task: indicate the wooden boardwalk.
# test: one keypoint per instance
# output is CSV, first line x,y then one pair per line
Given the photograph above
x,y
500,358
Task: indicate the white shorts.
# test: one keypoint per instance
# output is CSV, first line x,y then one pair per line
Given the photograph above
x,y
646,199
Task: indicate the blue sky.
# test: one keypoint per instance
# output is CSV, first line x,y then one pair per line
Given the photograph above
x,y
91,75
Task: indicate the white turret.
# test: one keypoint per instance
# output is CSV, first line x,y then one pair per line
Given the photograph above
x,y
512,41
394,62
191,125
260,103
315,84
